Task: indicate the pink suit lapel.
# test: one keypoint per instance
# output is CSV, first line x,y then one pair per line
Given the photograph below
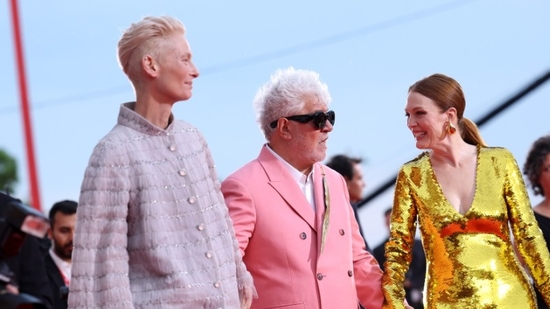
x,y
286,187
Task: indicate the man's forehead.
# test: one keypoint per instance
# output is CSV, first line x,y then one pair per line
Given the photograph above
x,y
315,105
59,216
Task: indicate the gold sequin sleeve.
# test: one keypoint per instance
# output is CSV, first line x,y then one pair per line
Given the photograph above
x,y
527,234
399,247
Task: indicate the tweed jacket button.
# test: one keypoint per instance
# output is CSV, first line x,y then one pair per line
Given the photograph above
x,y
172,148
320,276
303,235
342,232
182,172
350,273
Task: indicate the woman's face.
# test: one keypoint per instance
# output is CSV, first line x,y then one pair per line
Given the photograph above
x,y
356,184
176,70
425,120
545,176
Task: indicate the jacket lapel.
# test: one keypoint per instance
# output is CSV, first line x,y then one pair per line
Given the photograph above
x,y
281,180
319,195
53,271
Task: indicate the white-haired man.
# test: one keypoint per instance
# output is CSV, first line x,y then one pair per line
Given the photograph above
x,y
292,214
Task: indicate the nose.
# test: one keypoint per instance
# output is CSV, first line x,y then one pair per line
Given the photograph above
x,y
410,122
328,127
194,71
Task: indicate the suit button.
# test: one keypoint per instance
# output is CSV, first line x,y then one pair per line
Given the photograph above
x,y
342,232
303,235
320,276
350,273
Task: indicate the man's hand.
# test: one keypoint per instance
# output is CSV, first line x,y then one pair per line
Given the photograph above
x,y
12,289
407,306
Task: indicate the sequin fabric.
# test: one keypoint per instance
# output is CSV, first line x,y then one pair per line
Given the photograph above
x,y
152,227
470,258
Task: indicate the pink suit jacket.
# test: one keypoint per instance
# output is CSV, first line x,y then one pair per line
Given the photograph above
x,y
279,236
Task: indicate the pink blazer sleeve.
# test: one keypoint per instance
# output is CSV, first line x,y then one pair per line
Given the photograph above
x,y
241,210
368,275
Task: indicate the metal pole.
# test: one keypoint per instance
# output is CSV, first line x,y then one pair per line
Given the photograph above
x,y
33,176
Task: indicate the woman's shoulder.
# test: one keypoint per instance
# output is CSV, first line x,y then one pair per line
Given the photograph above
x,y
420,160
417,170
495,151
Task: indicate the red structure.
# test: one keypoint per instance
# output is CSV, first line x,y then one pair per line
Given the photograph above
x,y
25,110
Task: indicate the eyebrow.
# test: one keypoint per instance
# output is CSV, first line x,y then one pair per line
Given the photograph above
x,y
416,108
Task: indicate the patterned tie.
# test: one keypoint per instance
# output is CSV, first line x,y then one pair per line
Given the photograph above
x,y
326,217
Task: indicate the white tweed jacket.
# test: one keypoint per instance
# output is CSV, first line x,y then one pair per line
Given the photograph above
x,y
152,227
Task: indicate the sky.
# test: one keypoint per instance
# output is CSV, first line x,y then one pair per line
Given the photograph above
x,y
367,52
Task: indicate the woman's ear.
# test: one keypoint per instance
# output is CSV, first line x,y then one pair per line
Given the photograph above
x,y
452,115
150,66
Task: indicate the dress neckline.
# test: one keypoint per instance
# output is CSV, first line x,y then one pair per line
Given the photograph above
x,y
440,189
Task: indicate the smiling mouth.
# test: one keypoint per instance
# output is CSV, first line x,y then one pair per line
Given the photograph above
x,y
418,135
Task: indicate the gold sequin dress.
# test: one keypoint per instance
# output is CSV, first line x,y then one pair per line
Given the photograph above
x,y
470,258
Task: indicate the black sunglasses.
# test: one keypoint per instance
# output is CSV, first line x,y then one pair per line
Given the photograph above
x,y
319,119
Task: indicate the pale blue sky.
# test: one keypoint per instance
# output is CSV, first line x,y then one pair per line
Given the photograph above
x,y
367,52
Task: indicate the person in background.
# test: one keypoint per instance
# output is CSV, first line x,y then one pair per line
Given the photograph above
x,y
467,198
350,169
57,261
296,231
27,268
414,279
537,170
152,228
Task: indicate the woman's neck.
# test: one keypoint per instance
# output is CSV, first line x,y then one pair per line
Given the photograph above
x,y
453,154
156,113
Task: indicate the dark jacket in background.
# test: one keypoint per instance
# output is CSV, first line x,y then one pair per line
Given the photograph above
x,y
56,282
29,271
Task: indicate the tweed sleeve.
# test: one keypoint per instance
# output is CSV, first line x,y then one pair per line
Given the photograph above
x,y
244,279
100,256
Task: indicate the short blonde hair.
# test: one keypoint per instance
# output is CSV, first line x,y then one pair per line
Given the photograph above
x,y
144,37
